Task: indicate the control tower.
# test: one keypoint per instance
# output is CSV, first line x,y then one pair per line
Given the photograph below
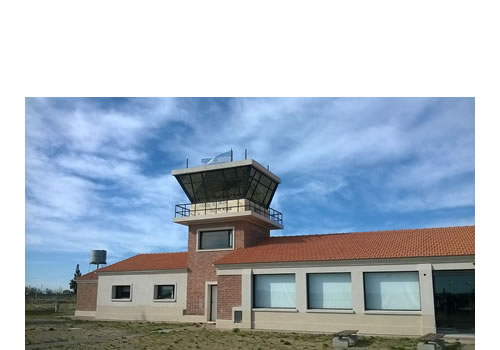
x,y
229,208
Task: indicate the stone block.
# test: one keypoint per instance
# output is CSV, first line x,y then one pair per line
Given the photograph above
x,y
429,346
340,343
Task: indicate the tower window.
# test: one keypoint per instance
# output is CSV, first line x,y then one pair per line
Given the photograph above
x,y
243,182
220,239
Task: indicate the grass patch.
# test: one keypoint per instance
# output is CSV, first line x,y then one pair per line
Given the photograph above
x,y
145,335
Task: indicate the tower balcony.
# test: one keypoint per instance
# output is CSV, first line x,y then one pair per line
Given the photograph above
x,y
228,210
236,190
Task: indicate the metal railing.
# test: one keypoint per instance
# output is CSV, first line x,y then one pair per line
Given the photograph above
x,y
213,208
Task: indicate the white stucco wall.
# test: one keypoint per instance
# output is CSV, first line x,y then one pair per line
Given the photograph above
x,y
367,322
142,305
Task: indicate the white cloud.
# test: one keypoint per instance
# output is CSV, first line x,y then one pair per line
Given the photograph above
x,y
83,180
95,166
423,141
86,187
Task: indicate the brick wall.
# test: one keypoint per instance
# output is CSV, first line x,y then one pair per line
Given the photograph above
x,y
254,233
86,296
228,296
200,264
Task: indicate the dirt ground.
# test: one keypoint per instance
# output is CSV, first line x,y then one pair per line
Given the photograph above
x,y
67,333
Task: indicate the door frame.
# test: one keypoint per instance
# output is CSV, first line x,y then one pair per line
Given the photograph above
x,y
208,291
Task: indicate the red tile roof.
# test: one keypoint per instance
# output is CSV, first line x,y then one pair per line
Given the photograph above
x,y
445,241
88,276
149,262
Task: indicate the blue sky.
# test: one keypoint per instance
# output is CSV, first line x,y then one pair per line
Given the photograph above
x,y
98,170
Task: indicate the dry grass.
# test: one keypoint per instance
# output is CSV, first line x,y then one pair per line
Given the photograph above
x,y
47,330
66,333
45,307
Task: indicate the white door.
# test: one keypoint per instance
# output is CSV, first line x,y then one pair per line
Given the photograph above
x,y
213,303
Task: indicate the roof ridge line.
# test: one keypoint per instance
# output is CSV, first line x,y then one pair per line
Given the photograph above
x,y
402,243
160,253
350,233
133,256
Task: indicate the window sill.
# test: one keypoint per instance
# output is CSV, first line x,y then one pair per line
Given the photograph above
x,y
213,250
164,300
331,311
274,310
122,299
392,312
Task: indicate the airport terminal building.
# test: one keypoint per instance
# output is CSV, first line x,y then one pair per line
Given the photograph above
x,y
234,274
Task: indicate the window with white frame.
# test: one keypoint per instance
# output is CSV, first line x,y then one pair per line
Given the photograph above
x,y
164,292
219,239
274,291
121,292
329,291
392,291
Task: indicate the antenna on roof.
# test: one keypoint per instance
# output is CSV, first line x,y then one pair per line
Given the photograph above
x,y
245,154
231,154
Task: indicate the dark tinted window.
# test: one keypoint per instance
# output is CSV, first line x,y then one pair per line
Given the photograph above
x,y
165,291
226,184
121,292
454,300
215,239
261,188
238,316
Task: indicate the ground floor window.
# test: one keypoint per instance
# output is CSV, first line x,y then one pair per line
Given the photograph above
x,y
392,290
329,291
165,291
121,292
274,291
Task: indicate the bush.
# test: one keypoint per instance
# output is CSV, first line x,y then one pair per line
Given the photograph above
x,y
236,330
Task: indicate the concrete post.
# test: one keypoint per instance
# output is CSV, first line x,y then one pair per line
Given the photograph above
x,y
246,298
427,298
358,296
301,291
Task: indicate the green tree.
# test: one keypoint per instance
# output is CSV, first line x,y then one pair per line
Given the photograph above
x,y
72,283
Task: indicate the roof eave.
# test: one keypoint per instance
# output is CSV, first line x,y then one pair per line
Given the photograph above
x,y
129,272
358,261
